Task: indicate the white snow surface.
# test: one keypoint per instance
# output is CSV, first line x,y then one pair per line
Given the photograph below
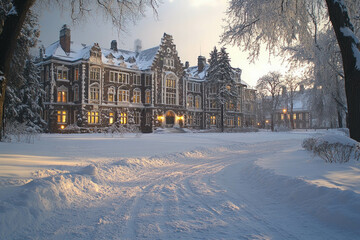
x,y
175,186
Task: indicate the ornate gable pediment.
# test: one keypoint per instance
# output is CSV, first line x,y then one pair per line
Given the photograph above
x,y
95,54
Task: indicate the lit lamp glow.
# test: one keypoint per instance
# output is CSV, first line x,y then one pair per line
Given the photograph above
x,y
284,110
180,118
160,118
267,121
62,127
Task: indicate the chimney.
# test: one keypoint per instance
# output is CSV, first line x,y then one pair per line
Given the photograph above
x,y
201,63
187,65
137,46
65,38
302,89
113,45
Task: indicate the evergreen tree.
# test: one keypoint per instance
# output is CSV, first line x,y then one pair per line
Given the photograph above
x,y
24,94
220,76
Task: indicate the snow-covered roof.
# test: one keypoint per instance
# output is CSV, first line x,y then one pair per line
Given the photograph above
x,y
194,73
142,60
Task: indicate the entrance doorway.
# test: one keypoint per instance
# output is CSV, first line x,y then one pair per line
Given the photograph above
x,y
170,119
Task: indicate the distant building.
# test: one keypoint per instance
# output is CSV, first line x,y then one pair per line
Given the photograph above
x,y
94,87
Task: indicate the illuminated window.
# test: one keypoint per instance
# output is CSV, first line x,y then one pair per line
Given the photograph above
x,y
190,101
230,122
111,118
197,102
213,120
147,96
62,96
239,121
93,117
123,95
94,93
137,96
294,116
62,73
171,81
61,116
123,118
282,116
111,94
95,73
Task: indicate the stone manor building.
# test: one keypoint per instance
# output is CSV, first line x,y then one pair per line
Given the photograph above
x,y
94,87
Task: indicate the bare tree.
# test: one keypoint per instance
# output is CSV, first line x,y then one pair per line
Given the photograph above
x,y
279,23
15,11
291,83
270,85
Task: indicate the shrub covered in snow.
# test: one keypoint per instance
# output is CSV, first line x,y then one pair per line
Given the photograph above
x,y
333,148
21,132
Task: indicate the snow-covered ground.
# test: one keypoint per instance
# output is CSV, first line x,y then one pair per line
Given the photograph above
x,y
175,186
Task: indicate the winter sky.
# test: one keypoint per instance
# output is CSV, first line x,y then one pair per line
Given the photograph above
x,y
195,25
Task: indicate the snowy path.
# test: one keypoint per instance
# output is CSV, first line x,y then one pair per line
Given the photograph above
x,y
203,194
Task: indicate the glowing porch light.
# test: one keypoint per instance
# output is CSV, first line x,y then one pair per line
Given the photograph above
x,y
180,118
284,110
160,118
62,127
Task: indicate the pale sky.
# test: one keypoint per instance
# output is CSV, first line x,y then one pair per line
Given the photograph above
x,y
194,24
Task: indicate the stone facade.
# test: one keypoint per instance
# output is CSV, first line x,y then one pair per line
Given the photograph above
x,y
92,87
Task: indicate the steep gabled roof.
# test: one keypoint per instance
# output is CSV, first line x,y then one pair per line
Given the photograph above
x,y
142,60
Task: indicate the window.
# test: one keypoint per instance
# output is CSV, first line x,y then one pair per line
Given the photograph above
x,y
212,104
93,117
198,102
282,116
114,76
124,78
111,94
238,106
213,120
61,116
111,118
148,119
189,86
62,73
76,77
171,81
148,80
198,120
76,93
294,116
95,73
212,89
136,96
123,118
123,95
137,118
190,120
137,80
94,93
230,122
169,62
239,121
196,87
170,98
62,95
147,96
190,101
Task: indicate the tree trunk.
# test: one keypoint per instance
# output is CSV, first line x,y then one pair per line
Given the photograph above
x,y
10,32
222,117
349,51
272,121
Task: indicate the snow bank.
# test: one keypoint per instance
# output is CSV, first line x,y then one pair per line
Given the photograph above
x,y
35,201
330,205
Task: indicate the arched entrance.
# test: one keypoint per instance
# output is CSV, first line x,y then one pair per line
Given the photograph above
x,y
170,119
